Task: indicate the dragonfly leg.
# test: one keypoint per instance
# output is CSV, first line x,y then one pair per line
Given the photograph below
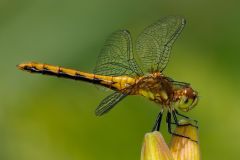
x,y
169,115
185,117
157,124
170,121
175,112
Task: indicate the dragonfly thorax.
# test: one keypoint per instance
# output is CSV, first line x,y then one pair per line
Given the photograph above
x,y
155,87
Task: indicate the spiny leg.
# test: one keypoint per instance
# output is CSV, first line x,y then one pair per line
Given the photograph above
x,y
174,112
176,122
179,114
157,124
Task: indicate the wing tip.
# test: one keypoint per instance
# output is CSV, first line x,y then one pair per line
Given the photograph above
x,y
99,112
180,19
184,21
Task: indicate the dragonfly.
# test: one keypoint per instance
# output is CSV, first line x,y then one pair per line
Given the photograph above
x,y
135,69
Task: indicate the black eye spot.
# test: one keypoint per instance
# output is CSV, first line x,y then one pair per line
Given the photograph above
x,y
186,101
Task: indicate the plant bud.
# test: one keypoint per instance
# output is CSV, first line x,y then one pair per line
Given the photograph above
x,y
185,148
155,148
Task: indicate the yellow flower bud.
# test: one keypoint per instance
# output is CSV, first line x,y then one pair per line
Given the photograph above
x,y
155,148
183,148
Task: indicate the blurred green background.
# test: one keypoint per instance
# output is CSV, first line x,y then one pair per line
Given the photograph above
x,y
45,118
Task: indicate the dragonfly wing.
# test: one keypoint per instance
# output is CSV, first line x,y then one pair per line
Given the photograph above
x,y
116,57
154,43
109,102
178,84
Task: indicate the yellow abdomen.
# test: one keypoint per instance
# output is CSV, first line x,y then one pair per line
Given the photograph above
x,y
116,83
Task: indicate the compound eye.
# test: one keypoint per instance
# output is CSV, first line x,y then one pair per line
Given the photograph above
x,y
186,101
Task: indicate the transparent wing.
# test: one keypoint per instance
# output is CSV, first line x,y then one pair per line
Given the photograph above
x,y
109,102
178,84
116,57
154,43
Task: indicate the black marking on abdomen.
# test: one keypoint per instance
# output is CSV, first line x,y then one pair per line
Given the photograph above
x,y
31,69
62,74
83,78
46,71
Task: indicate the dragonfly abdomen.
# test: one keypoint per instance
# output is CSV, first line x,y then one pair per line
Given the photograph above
x,y
117,83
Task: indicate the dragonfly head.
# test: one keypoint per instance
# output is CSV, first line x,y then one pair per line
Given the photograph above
x,y
185,98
